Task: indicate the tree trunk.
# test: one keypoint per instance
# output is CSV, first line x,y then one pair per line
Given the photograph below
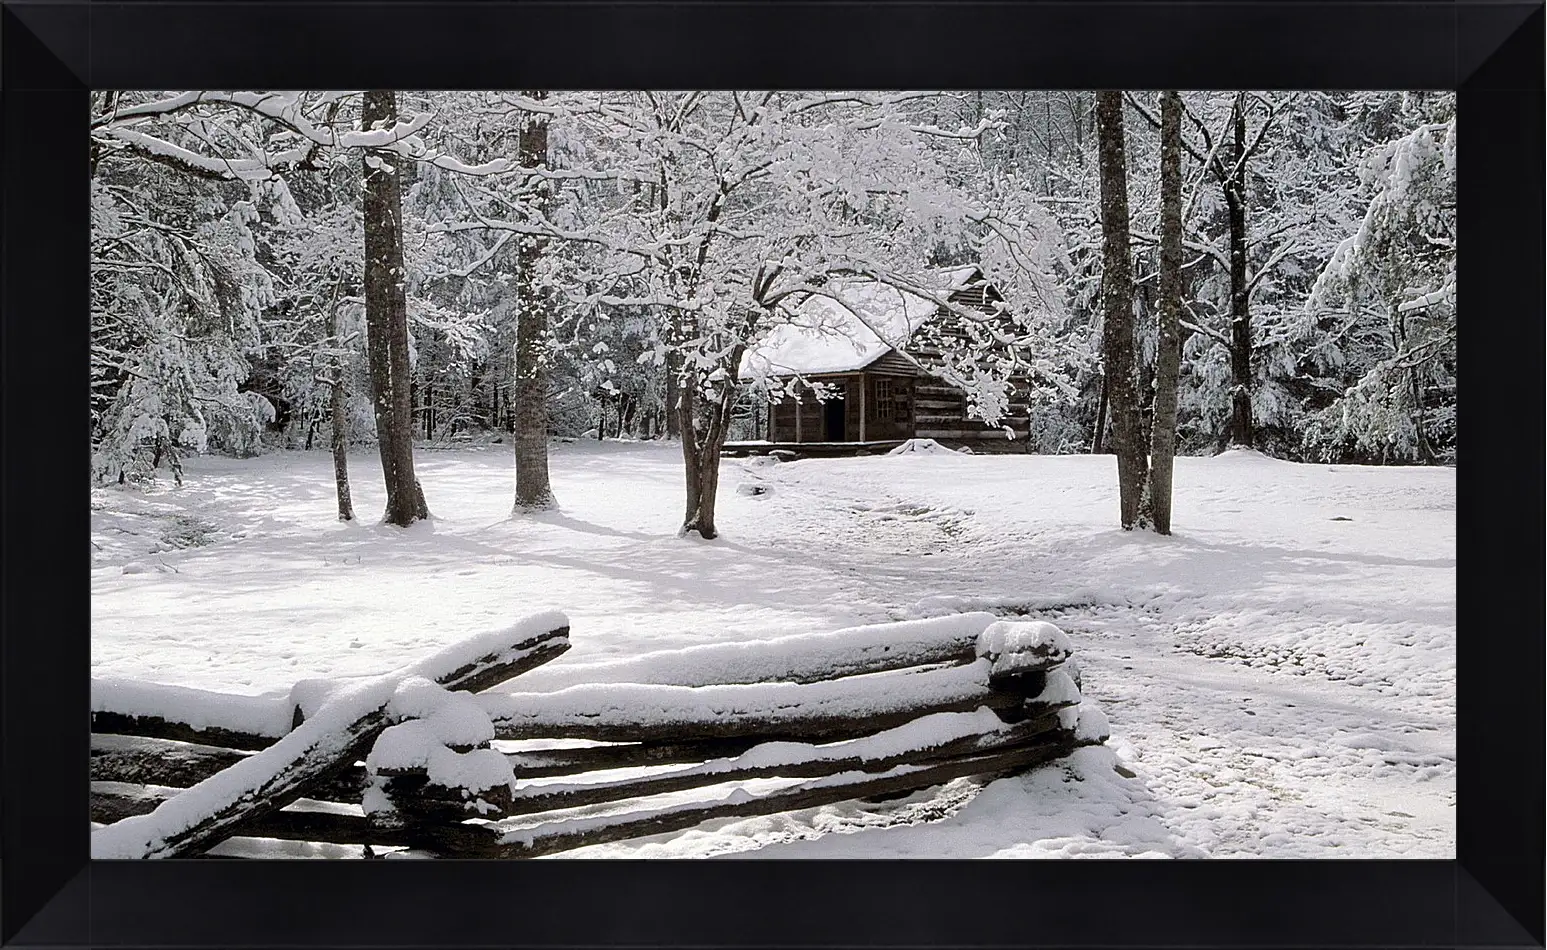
x,y
673,419
429,410
1240,314
1117,312
386,319
338,398
529,394
1168,354
626,405
1101,418
703,437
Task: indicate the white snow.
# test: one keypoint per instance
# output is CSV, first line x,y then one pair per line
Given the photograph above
x,y
1059,689
624,704
798,656
453,718
1093,724
323,735
1024,644
1277,683
923,447
922,734
267,715
827,335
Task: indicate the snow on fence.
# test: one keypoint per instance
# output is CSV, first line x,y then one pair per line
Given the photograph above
x,y
409,760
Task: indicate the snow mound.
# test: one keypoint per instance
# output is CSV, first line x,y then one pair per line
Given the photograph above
x,y
454,718
1060,689
1031,637
1093,725
921,446
1240,454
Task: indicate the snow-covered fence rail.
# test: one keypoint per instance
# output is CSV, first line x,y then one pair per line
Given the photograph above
x,y
858,713
344,727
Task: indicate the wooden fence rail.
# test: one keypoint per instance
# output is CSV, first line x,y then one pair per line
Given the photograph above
x,y
409,760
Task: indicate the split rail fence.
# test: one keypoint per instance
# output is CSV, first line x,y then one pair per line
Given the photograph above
x,y
443,758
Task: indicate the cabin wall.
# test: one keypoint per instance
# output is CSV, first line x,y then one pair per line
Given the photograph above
x,y
851,407
813,415
888,407
940,410
941,413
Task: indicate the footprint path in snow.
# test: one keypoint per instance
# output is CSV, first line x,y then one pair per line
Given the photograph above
x,y
1249,747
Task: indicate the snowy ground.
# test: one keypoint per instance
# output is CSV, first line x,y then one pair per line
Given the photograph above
x,y
1279,675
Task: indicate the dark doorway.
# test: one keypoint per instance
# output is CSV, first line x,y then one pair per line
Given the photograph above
x,y
833,413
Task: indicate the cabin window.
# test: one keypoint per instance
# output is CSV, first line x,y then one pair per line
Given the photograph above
x,y
886,409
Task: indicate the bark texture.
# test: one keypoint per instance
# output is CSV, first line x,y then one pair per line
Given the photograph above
x,y
1240,431
386,319
338,398
529,395
704,418
1117,309
1168,356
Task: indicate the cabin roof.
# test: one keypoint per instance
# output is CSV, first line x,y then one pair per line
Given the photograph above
x,y
824,336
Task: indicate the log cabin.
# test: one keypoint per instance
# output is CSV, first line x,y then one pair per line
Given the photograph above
x,y
875,390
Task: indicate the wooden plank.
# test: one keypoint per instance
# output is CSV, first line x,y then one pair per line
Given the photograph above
x,y
334,739
479,675
111,801
804,761
157,727
987,434
543,763
187,765
864,397
798,658
192,715
170,763
489,841
153,761
833,709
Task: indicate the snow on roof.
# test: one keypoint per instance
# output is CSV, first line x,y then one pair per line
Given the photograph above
x,y
825,336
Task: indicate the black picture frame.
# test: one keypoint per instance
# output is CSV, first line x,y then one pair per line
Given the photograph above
x,y
51,53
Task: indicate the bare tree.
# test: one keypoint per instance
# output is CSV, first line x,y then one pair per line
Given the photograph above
x,y
529,395
1226,154
1117,310
1156,507
338,401
386,318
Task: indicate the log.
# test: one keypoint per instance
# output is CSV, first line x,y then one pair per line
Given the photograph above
x,y
418,801
133,759
131,707
490,841
329,742
147,761
878,753
114,801
477,674
801,658
157,727
834,709
544,763
167,762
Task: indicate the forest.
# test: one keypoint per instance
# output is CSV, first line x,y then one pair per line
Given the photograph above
x,y
1181,272
411,412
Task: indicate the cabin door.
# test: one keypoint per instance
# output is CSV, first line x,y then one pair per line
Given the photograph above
x,y
834,412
